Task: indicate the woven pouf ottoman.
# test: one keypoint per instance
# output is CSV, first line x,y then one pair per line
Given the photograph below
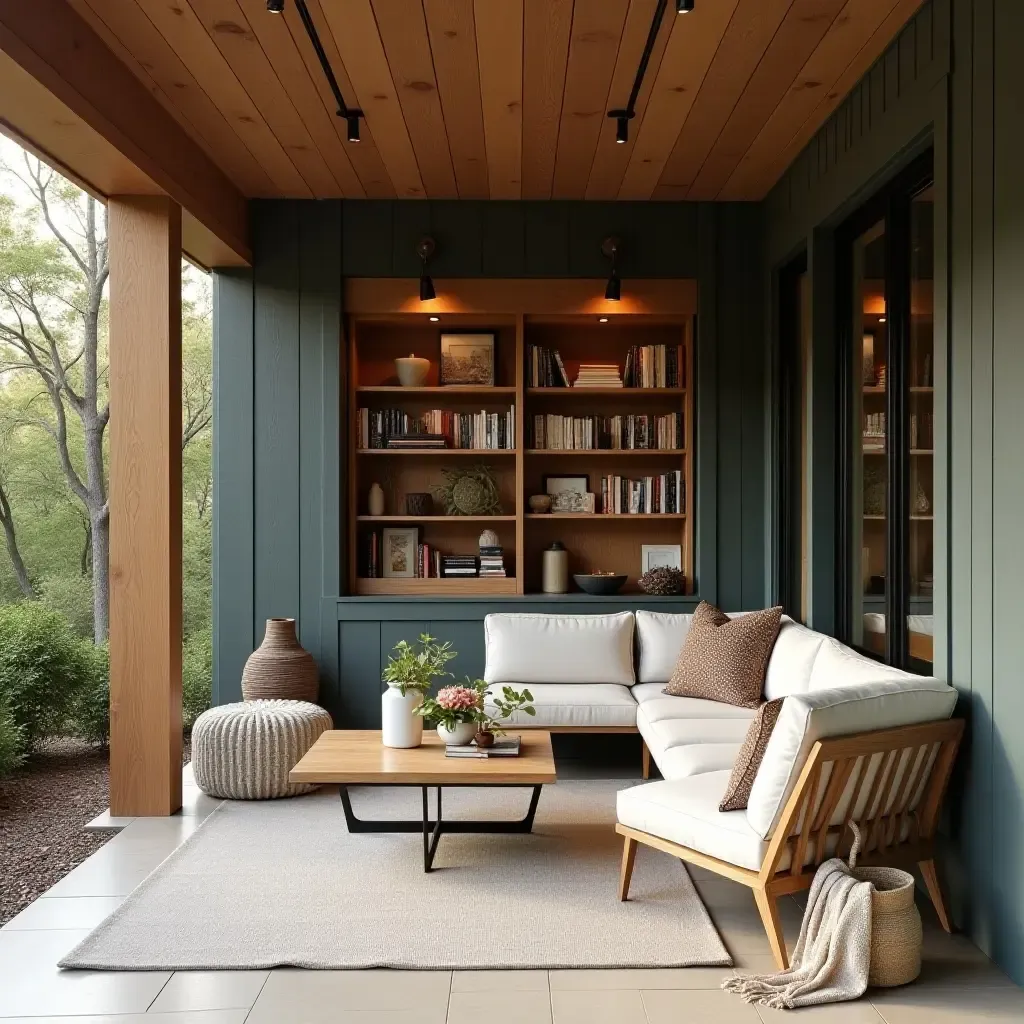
x,y
245,751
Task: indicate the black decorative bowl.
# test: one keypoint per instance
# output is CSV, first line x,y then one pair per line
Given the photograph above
x,y
419,503
599,585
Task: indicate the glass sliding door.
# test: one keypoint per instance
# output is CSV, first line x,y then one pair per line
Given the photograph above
x,y
920,437
886,480
869,460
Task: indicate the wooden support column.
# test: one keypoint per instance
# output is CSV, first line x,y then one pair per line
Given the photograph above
x,y
145,505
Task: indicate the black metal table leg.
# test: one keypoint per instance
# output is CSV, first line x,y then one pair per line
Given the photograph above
x,y
432,830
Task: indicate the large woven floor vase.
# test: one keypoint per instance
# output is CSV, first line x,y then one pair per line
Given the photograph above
x,y
245,751
280,668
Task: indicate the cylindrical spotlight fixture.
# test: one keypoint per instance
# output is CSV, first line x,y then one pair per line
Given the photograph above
x,y
352,120
427,288
684,6
613,289
425,249
275,6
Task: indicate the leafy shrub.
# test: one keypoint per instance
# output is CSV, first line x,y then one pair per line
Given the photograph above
x,y
71,597
90,710
12,743
196,676
43,666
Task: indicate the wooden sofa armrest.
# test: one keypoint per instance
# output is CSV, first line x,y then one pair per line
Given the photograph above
x,y
911,761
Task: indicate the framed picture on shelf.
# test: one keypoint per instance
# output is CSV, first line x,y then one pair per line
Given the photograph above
x,y
399,545
655,556
468,359
554,485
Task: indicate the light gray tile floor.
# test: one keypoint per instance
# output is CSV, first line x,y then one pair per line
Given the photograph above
x,y
958,982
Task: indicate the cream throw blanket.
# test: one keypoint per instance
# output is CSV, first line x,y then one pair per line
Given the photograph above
x,y
833,954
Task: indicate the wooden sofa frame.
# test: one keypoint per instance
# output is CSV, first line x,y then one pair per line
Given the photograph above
x,y
798,832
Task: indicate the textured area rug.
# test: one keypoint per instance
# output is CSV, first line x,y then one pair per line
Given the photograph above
x,y
261,885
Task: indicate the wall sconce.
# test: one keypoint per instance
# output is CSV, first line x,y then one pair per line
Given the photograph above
x,y
425,249
613,289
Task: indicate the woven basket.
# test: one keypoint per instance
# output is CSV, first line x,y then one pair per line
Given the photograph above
x,y
895,922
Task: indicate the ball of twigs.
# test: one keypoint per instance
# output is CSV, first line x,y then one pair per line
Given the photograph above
x,y
662,581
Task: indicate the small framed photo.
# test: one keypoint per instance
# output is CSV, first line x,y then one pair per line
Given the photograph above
x,y
566,485
654,556
399,546
468,358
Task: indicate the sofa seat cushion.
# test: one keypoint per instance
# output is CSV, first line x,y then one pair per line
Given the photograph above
x,y
572,704
841,711
658,705
696,759
685,811
681,732
691,741
527,649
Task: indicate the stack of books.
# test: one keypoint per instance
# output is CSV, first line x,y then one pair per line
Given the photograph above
x,y
598,375
650,494
428,561
545,368
492,561
417,442
630,432
654,366
458,566
379,427
501,748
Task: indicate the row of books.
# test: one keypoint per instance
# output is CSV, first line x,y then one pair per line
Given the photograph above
x,y
654,366
544,368
379,427
663,494
647,366
630,432
492,561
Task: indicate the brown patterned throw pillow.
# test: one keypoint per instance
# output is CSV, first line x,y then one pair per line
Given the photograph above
x,y
748,760
725,659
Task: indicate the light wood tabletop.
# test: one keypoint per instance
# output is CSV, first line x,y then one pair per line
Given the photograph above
x,y
357,756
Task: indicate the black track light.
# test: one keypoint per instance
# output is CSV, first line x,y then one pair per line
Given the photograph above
x,y
275,6
684,6
613,289
622,130
425,249
353,126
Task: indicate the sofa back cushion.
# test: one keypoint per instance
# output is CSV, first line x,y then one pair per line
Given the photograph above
x,y
838,665
559,648
793,656
661,636
842,711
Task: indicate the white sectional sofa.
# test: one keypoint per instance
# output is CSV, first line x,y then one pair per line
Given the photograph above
x,y
855,741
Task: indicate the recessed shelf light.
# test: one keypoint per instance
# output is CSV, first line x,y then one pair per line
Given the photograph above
x,y
434,319
602,319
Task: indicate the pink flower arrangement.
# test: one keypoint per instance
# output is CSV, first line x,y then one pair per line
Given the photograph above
x,y
458,698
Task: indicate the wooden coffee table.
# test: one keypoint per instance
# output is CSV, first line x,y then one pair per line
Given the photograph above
x,y
346,758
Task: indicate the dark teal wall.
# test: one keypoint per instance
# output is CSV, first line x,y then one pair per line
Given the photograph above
x,y
953,79
278,385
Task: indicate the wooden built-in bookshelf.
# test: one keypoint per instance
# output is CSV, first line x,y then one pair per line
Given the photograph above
x,y
568,321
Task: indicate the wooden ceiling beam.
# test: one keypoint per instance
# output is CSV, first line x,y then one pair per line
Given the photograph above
x,y
593,47
107,112
745,41
366,159
611,158
546,28
691,48
857,37
403,32
803,29
499,45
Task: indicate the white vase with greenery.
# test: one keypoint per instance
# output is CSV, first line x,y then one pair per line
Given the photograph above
x,y
409,673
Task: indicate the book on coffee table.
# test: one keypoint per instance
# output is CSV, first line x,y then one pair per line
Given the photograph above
x,y
501,748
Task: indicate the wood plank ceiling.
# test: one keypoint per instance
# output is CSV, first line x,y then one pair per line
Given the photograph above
x,y
501,99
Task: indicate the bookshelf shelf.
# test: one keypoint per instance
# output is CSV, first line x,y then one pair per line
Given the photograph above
x,y
607,452
616,517
582,392
384,520
375,336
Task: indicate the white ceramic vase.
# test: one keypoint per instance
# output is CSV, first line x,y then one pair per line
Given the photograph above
x,y
462,734
399,726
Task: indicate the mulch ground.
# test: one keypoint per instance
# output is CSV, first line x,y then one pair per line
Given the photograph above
x,y
44,807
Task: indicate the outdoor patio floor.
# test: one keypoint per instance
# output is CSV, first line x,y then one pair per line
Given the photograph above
x,y
958,982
